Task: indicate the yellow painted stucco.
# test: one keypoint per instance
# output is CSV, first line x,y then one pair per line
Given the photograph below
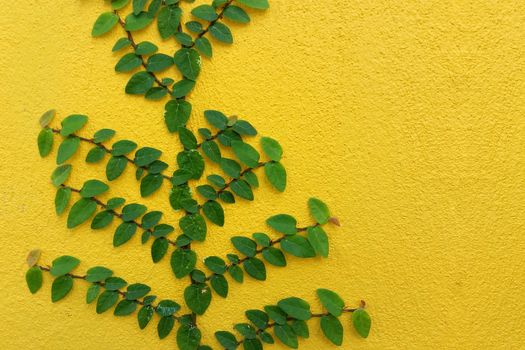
x,y
406,117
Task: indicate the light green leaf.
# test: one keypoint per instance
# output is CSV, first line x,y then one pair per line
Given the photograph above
x,y
362,322
63,265
298,246
300,328
120,44
276,175
319,210
61,174
45,142
283,223
246,153
319,240
256,4
80,212
216,119
332,329
95,155
296,308
118,4
103,135
271,148
46,118
34,279
104,23
92,188
98,274
62,199
242,127
138,6
92,293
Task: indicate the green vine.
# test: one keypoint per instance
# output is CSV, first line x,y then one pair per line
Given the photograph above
x,y
200,205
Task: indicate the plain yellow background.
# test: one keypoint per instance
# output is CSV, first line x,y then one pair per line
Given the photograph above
x,y
406,117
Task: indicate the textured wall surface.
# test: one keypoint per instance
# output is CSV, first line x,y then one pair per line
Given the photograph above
x,y
406,117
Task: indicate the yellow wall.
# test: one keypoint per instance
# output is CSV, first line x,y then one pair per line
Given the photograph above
x,y
407,117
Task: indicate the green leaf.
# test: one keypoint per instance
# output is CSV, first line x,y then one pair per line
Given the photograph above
x,y
216,180
256,4
255,268
61,174
136,291
183,262
92,293
205,12
242,127
258,318
296,308
274,256
157,167
137,22
226,339
63,265
104,23
46,118
236,14
103,135
182,88
216,119
245,245
184,39
132,211
214,212
156,93
61,287
115,167
138,6
146,48
286,335
118,4
188,337
168,21
227,197
34,279
128,62
80,212
114,283
144,316
276,314
159,62
45,142
332,329
221,32
125,307
297,246
283,223
300,328
271,148
246,330
62,199
331,301
362,322
92,188
151,219
242,189
114,203
262,239
319,210
149,184
251,179
193,226
230,167
177,113
188,62
180,176
98,274
207,191
212,151
197,297
120,44
106,300
236,273
276,174
139,83
215,264
162,230
219,285
266,338
187,138
67,149
146,155
123,233
204,46
122,147
246,153
191,161
194,26
159,249
319,240
95,155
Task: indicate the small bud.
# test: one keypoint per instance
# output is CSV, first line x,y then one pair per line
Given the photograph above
x,y
32,257
362,304
232,120
334,221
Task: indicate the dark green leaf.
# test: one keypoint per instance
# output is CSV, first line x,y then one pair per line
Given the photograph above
x,y
165,326
276,174
184,39
276,314
204,46
104,23
266,338
219,285
162,230
176,114
191,161
216,119
271,148
297,246
251,179
124,232
168,21
149,184
188,337
205,12
194,26
139,83
157,167
300,328
179,195
62,199
103,135
114,203
362,322
296,308
92,188
159,249
262,239
226,339
236,14
34,279
80,212
242,189
227,197
255,268
319,210
207,191
197,297
114,283
72,124
319,240
118,4
61,174
67,149
98,274
61,287
236,273
92,293
167,308
120,44
193,226
274,256
214,212
246,153
159,62
216,180
256,4
183,262
115,167
146,155
286,335
187,138
180,176
332,329
258,318
215,264
156,93
122,147
188,62
182,88
212,151
283,223
132,211
106,300
138,6
230,167
95,155
45,142
246,330
144,316
137,291
137,22
245,245
221,32
125,307
242,127
128,62
63,265
331,301
151,219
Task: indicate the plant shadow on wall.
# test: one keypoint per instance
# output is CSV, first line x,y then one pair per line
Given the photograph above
x,y
287,319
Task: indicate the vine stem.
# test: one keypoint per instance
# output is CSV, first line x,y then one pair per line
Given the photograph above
x,y
119,215
108,151
317,315
143,62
